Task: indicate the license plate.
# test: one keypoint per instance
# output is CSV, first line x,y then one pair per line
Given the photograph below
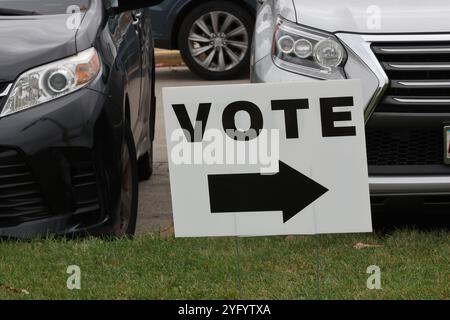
x,y
447,145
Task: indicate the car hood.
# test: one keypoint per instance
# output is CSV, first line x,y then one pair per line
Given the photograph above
x,y
27,42
381,16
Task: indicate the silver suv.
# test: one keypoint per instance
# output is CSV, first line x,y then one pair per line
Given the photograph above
x,y
401,51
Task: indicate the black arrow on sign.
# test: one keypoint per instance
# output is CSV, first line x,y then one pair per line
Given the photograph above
x,y
288,191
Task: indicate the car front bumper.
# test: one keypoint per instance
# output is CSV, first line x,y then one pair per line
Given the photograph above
x,y
55,175
381,186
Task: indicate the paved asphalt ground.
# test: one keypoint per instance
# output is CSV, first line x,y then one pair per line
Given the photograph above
x,y
155,209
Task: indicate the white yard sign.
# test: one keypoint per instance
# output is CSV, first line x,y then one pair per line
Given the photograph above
x,y
267,159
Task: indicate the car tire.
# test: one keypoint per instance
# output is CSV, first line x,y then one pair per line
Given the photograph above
x,y
124,224
145,162
231,32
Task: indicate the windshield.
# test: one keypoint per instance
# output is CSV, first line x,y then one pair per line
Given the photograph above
x,y
41,7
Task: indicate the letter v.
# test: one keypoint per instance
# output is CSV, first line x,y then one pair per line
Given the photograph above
x,y
186,124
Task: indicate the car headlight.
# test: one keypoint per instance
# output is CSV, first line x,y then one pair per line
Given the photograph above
x,y
308,51
51,81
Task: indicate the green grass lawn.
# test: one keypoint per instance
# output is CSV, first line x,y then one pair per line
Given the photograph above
x,y
414,265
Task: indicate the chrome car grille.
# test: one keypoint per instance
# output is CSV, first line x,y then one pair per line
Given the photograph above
x,y
419,76
419,85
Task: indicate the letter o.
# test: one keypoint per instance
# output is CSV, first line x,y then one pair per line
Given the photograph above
x,y
256,120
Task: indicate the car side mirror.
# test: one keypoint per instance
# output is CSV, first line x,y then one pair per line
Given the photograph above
x,y
118,6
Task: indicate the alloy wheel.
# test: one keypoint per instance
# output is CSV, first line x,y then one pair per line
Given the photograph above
x,y
218,41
